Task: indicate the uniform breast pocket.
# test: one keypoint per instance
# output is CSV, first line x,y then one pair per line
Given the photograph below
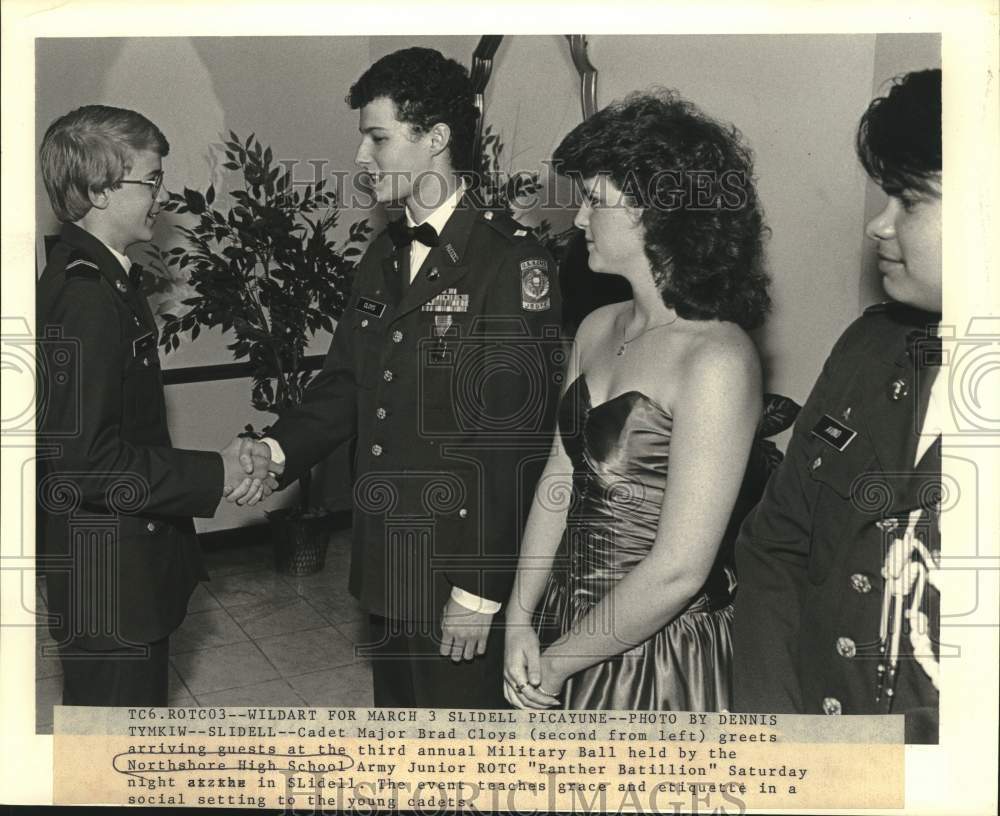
x,y
848,492
142,391
436,379
454,367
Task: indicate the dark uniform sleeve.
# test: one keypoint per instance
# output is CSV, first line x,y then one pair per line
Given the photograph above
x,y
178,482
327,415
772,560
520,368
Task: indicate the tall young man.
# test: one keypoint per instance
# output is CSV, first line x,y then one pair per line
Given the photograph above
x,y
443,366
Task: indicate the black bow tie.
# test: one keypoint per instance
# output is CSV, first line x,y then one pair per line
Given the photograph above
x,y
403,235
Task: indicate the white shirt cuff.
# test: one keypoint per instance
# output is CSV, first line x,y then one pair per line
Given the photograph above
x,y
474,602
277,454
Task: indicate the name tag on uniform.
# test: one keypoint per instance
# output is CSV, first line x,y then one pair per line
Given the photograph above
x,y
835,434
143,344
372,307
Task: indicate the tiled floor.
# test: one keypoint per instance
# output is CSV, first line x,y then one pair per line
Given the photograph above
x,y
254,637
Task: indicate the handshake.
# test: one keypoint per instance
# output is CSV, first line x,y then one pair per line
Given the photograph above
x,y
250,473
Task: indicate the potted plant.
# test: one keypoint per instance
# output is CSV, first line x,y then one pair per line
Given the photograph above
x,y
267,268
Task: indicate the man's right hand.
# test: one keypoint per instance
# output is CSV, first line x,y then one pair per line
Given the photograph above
x,y
249,472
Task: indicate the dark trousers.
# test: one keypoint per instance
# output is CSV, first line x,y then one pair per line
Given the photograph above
x,y
409,672
116,677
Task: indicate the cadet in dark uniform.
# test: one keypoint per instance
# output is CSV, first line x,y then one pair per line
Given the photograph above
x,y
116,537
444,366
838,606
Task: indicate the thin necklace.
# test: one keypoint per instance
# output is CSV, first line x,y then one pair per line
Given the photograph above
x,y
624,346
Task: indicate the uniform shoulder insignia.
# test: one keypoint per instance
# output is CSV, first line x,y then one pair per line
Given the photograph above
x,y
505,224
79,265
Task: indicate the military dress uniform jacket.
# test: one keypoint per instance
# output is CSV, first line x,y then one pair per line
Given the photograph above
x,y
116,537
451,390
837,610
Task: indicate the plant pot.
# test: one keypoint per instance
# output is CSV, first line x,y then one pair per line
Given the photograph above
x,y
299,543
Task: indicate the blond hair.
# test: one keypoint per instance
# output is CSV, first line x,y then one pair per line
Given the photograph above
x,y
90,149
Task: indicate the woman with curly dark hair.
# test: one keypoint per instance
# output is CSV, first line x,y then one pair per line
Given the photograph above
x,y
624,568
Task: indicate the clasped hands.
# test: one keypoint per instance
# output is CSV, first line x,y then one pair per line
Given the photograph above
x,y
531,679
250,473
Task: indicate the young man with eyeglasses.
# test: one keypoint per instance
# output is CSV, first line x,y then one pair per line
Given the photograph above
x,y
117,542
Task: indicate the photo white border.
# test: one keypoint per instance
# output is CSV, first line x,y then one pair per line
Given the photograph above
x,y
954,777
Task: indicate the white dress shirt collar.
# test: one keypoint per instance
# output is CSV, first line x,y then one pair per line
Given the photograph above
x,y
437,219
440,216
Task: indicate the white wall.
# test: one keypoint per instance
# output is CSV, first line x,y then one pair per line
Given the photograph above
x,y
797,100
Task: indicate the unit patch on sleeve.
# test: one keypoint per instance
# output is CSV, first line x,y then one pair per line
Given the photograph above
x,y
535,285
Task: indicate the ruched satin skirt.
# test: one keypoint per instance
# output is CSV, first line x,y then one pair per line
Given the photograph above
x,y
685,666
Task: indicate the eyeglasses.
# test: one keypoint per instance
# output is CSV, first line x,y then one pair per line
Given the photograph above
x,y
155,184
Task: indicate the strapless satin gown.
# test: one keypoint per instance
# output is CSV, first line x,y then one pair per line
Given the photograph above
x,y
620,452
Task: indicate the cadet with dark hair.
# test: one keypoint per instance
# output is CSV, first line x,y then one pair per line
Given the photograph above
x,y
692,178
838,609
632,578
443,366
